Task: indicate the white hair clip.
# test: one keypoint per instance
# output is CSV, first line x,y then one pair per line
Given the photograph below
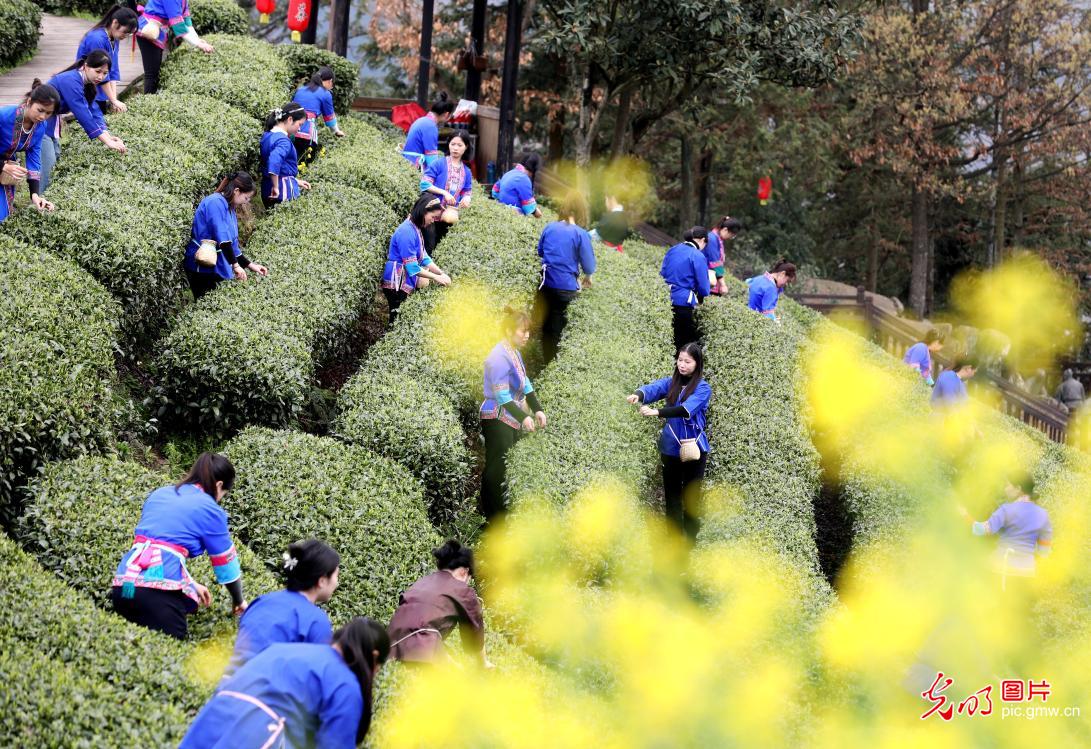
x,y
289,561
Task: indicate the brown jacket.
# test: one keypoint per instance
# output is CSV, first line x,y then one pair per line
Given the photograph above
x,y
427,613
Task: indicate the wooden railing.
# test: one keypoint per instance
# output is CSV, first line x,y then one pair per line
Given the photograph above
x,y
895,335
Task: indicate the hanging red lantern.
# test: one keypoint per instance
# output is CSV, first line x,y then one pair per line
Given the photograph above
x,y
765,189
265,7
299,15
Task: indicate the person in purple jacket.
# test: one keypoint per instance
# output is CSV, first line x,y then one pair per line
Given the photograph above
x,y
919,355
1022,529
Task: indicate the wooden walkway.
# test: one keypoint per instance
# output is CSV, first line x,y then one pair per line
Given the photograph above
x,y
56,51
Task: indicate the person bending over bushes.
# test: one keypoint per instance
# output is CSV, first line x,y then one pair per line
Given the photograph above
x,y
279,168
78,85
685,269
919,355
297,695
152,586
316,99
715,250
159,21
450,179
765,290
437,603
516,187
408,266
22,129
422,140
212,254
507,410
112,29
565,250
311,570
683,444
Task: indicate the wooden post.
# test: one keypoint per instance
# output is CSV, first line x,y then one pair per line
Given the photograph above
x,y
509,85
311,33
339,27
477,46
425,69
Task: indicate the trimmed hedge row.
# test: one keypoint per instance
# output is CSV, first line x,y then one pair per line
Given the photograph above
x,y
56,362
185,141
219,17
69,661
369,160
764,472
243,72
618,337
19,21
305,59
80,519
248,353
366,506
406,398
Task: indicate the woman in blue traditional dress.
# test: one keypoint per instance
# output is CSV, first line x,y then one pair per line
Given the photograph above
x,y
516,187
422,140
451,180
511,407
297,695
311,570
316,98
115,26
686,395
22,129
159,21
78,85
765,290
216,225
279,166
408,265
685,269
152,586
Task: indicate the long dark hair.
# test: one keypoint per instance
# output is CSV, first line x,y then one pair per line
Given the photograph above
x,y
358,641
443,104
530,161
786,267
207,470
125,17
513,319
425,203
291,110
680,386
467,156
43,93
324,73
452,555
733,225
241,181
96,58
694,233
307,562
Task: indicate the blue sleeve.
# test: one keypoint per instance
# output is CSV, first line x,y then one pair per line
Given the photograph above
x,y
524,190
34,153
320,632
698,401
430,136
528,386
115,64
587,253
700,270
89,117
431,176
712,250
542,241
339,717
216,540
86,45
768,299
996,522
467,183
655,391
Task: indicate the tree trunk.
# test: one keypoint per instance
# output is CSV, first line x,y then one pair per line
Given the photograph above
x,y
339,27
621,123
1018,205
872,282
704,190
556,136
1000,210
918,253
309,34
685,177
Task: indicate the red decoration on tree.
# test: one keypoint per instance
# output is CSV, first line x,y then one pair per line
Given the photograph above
x,y
299,15
265,7
765,189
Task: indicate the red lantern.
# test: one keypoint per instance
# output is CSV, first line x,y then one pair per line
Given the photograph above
x,y
299,15
265,7
765,189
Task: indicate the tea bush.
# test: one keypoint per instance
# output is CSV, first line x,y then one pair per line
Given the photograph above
x,y
19,21
304,60
218,17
